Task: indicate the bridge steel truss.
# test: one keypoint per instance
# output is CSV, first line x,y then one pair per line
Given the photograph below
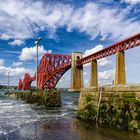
x,y
126,44
50,70
53,66
26,83
20,84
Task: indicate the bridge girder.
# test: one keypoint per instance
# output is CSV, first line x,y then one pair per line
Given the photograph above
x,y
50,70
53,66
126,44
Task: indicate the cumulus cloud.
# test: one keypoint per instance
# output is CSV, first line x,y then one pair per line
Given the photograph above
x,y
15,64
104,77
22,19
101,62
107,74
93,50
1,62
30,53
104,62
16,42
132,1
18,71
15,73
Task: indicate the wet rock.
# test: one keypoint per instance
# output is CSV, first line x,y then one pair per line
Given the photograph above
x,y
117,108
49,98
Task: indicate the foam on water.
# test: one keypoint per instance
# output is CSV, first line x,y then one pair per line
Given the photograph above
x,y
21,121
14,114
5,104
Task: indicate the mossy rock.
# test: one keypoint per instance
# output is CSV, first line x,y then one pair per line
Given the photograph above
x,y
49,98
89,98
130,100
88,114
128,95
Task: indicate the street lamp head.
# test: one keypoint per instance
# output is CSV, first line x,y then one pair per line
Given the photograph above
x,y
39,39
36,42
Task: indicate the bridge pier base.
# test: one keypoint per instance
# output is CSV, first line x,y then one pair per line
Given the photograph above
x,y
76,73
94,74
96,104
120,76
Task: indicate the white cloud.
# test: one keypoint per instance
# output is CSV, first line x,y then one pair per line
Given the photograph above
x,y
104,62
15,73
1,62
107,74
105,77
85,73
93,50
132,1
22,19
101,62
15,64
30,53
16,42
64,81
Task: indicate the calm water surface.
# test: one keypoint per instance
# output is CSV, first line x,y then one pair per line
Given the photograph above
x,y
21,121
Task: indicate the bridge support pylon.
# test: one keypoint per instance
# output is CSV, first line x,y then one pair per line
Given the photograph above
x,y
76,73
94,74
120,76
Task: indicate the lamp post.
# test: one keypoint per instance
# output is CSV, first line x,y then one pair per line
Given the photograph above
x,y
8,80
37,44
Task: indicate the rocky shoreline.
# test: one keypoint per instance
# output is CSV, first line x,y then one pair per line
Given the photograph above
x,y
49,98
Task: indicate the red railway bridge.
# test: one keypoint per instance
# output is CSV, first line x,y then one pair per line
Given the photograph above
x,y
53,66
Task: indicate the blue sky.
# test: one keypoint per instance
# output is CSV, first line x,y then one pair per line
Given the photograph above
x,y
66,26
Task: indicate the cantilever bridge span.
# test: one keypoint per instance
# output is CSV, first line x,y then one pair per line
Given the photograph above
x,y
53,66
50,70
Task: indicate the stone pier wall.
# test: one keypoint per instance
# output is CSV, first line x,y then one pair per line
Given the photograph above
x,y
76,73
50,98
119,107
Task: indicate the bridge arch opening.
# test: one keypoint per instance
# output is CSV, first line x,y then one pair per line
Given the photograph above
x,y
65,80
33,84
